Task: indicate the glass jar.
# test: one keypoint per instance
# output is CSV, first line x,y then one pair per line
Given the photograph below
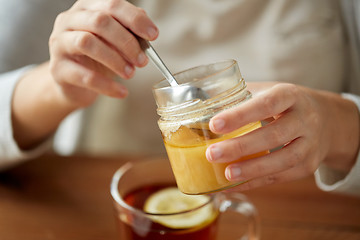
x,y
185,124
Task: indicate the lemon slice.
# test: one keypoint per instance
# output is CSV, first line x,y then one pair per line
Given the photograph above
x,y
171,201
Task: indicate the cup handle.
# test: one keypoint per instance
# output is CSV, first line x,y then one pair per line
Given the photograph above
x,y
239,203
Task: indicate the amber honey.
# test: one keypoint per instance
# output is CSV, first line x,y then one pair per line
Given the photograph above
x,y
193,172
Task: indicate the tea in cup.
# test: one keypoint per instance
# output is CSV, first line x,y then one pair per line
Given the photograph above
x,y
148,205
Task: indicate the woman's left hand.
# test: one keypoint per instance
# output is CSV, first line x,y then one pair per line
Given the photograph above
x,y
308,127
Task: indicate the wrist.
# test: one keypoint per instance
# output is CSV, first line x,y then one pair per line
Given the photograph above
x,y
38,107
344,126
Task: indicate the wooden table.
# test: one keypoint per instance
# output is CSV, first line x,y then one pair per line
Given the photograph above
x,y
55,197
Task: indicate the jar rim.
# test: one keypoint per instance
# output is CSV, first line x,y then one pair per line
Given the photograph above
x,y
158,84
213,79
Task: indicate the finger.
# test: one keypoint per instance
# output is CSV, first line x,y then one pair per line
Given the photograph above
x,y
268,104
75,74
109,30
130,16
286,176
288,157
85,43
275,134
137,21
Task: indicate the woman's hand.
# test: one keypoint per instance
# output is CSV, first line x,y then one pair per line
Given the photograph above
x,y
308,127
93,41
90,43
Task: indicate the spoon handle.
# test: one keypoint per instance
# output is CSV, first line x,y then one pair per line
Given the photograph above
x,y
154,57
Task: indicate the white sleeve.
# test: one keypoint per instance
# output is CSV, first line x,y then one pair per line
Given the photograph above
x,y
10,153
329,179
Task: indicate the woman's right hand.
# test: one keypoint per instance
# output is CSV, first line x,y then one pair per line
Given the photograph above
x,y
91,43
94,41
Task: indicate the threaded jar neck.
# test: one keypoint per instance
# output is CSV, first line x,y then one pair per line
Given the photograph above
x,y
226,99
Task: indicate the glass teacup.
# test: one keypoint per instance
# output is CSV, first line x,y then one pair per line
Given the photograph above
x,y
141,192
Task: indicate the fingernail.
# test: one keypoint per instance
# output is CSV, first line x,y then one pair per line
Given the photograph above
x,y
128,70
218,124
141,58
214,153
152,32
232,173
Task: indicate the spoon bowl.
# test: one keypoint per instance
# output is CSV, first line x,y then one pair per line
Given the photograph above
x,y
181,93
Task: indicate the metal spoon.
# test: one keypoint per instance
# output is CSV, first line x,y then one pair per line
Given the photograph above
x,y
180,93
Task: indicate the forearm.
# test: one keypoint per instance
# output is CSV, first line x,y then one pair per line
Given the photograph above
x,y
38,107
